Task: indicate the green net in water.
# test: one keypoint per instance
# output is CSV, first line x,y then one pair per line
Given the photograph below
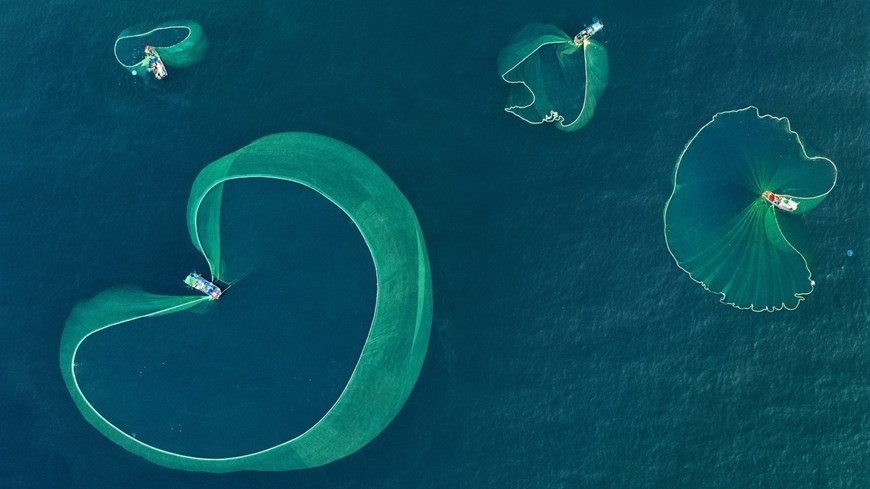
x,y
553,78
179,43
722,231
391,358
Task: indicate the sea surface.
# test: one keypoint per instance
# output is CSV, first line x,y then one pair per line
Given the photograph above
x,y
567,348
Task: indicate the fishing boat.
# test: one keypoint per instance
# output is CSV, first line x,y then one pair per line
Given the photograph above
x,y
782,202
155,63
198,282
588,31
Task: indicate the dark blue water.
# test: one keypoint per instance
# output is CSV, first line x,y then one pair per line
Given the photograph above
x,y
567,349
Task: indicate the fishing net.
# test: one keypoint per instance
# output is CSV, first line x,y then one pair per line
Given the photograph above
x,y
179,43
230,202
722,232
552,79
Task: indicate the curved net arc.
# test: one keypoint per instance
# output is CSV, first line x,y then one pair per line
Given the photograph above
x,y
392,356
179,43
504,76
774,270
137,305
541,55
144,34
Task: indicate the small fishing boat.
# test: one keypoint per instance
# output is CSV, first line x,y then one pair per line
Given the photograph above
x,y
588,31
782,202
155,63
198,282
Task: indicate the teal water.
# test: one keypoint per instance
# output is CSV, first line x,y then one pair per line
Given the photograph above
x,y
567,349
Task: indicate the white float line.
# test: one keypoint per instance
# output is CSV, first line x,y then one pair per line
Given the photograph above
x,y
115,48
196,233
520,82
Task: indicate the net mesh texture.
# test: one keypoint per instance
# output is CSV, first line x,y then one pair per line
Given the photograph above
x,y
720,230
394,349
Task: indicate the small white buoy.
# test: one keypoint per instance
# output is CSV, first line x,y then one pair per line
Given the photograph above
x,y
813,283
134,73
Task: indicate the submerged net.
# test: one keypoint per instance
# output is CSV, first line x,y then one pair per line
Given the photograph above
x,y
720,230
396,340
179,43
552,79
